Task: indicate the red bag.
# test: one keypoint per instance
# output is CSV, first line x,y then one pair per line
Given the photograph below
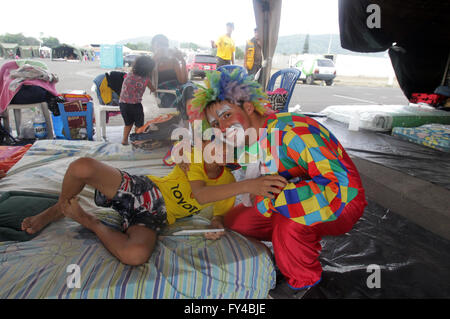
x,y
430,99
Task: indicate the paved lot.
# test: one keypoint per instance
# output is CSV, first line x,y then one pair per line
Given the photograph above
x,y
312,98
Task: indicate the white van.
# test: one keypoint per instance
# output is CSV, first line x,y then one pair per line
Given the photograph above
x,y
316,69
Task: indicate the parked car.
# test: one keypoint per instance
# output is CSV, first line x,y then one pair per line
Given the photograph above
x,y
316,69
129,59
199,63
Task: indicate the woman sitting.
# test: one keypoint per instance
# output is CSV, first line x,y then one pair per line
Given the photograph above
x,y
170,73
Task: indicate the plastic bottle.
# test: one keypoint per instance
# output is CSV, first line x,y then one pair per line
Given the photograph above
x,y
354,123
39,125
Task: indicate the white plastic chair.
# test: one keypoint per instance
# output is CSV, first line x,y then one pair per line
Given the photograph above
x,y
17,109
100,115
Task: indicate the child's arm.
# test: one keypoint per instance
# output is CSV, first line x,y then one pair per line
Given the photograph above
x,y
266,186
151,87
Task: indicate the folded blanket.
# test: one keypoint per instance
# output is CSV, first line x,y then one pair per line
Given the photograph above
x,y
30,72
6,95
15,206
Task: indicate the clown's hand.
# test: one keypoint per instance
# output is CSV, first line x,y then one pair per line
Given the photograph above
x,y
216,223
267,186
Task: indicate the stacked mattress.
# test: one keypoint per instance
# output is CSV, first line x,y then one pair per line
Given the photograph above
x,y
436,136
383,118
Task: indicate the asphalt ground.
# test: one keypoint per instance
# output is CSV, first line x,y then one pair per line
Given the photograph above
x,y
311,98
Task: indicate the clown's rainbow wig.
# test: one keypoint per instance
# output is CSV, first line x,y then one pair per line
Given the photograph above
x,y
235,87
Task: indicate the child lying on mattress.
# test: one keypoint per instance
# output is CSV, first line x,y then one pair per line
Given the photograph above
x,y
146,203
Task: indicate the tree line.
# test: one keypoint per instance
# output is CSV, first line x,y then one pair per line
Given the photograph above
x,y
20,39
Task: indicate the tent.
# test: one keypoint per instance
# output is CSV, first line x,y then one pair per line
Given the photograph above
x,y
10,50
65,51
45,52
416,33
88,50
29,51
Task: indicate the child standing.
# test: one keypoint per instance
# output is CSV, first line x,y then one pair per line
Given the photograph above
x,y
133,89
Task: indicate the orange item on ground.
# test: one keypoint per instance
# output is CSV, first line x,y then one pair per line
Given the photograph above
x,y
10,155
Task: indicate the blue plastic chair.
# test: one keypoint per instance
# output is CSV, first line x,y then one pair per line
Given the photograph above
x,y
289,78
231,67
65,120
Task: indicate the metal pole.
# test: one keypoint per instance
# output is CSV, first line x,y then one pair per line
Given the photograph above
x,y
329,44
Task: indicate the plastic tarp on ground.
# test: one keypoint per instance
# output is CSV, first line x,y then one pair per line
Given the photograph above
x,y
412,159
419,29
411,261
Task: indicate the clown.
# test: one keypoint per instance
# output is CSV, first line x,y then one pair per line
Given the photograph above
x,y
324,194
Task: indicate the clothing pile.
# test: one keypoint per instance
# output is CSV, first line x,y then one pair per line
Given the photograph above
x,y
277,98
27,82
108,87
440,99
155,133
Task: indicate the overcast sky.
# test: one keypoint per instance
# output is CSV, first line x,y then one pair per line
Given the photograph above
x,y
82,22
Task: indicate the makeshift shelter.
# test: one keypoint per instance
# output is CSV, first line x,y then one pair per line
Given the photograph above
x,y
45,52
65,51
10,50
416,33
29,51
89,51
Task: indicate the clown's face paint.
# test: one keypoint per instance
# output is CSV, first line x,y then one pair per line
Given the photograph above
x,y
232,121
222,110
224,115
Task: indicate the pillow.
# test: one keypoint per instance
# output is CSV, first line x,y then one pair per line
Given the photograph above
x,y
15,206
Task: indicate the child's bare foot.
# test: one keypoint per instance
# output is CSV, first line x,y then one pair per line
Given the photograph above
x,y
72,209
36,223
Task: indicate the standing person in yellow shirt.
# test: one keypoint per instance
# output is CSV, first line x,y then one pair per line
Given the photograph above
x,y
225,47
253,55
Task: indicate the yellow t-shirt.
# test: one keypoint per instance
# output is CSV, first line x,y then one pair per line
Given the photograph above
x,y
177,192
225,47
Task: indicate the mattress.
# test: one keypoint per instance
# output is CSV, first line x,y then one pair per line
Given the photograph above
x,y
384,118
436,136
180,267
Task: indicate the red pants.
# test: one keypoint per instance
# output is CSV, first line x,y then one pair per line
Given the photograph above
x,y
296,246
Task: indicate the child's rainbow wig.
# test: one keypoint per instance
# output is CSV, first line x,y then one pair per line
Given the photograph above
x,y
236,87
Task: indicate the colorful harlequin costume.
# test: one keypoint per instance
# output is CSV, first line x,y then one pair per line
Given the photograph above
x,y
324,195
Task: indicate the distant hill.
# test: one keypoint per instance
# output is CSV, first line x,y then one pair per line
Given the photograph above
x,y
146,39
318,44
287,45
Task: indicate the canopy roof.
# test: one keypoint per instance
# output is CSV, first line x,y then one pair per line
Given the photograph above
x,y
9,45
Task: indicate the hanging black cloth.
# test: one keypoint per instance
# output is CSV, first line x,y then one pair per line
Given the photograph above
x,y
115,80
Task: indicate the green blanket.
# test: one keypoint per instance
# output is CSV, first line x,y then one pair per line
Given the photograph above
x,y
15,206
